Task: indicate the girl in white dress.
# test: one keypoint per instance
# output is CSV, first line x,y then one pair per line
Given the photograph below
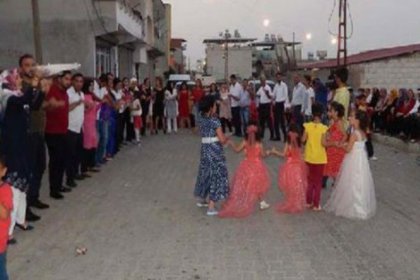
x,y
354,194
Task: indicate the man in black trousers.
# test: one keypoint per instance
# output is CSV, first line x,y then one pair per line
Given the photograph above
x,y
281,98
265,96
235,97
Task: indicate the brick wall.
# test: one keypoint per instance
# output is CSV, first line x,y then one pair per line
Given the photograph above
x,y
398,72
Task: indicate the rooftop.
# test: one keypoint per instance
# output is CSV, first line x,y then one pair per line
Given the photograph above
x,y
366,56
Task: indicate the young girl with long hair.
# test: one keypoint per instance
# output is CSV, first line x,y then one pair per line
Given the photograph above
x,y
293,175
251,180
354,194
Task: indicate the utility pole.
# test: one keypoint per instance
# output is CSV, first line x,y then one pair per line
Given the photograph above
x,y
36,31
342,34
226,36
294,50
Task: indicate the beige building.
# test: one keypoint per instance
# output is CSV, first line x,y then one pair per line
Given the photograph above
x,y
126,37
389,68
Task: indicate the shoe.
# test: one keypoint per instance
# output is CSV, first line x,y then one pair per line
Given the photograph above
x,y
276,139
11,241
264,205
57,196
79,177
212,212
25,227
71,184
95,170
86,176
317,209
202,204
39,204
374,158
65,190
31,217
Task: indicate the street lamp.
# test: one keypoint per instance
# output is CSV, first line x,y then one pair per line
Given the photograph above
x,y
266,22
334,41
308,36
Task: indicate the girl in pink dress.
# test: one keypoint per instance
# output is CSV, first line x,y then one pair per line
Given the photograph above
x,y
336,135
251,180
292,178
90,138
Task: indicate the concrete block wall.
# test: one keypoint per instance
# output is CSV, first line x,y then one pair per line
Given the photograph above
x,y
398,72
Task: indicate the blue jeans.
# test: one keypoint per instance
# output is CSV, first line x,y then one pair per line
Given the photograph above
x,y
244,118
102,130
3,270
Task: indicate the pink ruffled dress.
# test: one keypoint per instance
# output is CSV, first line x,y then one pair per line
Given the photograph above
x,y
292,182
250,183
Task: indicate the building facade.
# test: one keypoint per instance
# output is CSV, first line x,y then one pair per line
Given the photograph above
x,y
388,68
102,35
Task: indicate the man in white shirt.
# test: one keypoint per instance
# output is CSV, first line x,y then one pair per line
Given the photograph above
x,y
235,98
298,101
244,102
74,134
310,94
265,98
281,98
101,93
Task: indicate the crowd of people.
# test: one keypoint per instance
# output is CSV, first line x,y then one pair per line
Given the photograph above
x,y
83,123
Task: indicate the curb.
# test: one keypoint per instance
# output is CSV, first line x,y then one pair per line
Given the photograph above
x,y
397,143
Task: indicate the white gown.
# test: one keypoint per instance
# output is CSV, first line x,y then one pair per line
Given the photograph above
x,y
354,193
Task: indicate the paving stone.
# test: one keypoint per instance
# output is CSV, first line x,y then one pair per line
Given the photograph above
x,y
138,220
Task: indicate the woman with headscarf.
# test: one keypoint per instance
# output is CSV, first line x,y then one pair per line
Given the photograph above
x,y
251,180
404,106
388,109
16,103
377,111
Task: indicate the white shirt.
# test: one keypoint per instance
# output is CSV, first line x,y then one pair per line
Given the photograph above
x,y
137,110
263,98
281,93
118,96
299,96
310,94
77,115
415,108
100,93
235,90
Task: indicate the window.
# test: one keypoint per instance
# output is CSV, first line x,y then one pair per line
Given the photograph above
x,y
103,60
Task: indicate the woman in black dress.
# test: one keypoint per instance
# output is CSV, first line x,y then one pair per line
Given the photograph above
x,y
158,106
145,98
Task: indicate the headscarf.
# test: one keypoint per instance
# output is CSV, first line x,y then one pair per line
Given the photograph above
x,y
403,97
392,96
8,88
251,132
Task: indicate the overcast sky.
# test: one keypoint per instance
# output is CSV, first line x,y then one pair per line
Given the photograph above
x,y
377,23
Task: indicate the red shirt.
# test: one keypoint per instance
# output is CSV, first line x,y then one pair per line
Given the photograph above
x,y
58,118
6,200
197,94
406,107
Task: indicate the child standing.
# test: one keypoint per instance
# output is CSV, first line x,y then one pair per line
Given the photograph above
x,y
315,156
354,194
6,205
336,135
212,180
136,113
251,180
293,175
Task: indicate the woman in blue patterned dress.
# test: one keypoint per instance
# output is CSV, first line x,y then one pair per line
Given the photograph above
x,y
212,180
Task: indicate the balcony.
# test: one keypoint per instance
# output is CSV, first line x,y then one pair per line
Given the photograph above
x,y
119,22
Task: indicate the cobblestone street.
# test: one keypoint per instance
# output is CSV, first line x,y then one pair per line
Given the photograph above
x,y
138,220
